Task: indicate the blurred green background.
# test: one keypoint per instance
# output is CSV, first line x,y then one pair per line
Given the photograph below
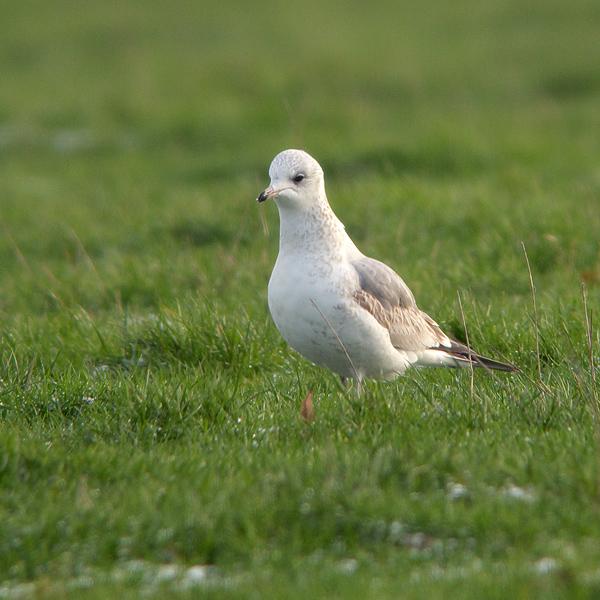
x,y
149,409
126,127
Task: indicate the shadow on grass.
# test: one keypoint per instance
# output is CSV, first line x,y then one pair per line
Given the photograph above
x,y
443,159
567,86
201,233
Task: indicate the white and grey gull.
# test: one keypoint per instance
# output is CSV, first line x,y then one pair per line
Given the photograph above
x,y
337,307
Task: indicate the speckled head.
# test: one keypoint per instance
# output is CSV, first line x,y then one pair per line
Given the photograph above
x,y
296,180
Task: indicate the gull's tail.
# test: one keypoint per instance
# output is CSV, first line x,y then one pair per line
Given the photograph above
x,y
464,356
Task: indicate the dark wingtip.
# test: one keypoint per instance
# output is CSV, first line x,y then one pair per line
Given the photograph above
x,y
463,352
495,364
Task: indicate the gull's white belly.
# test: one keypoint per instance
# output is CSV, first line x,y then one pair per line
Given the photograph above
x,y
312,307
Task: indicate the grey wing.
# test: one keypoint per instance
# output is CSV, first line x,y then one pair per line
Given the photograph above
x,y
383,293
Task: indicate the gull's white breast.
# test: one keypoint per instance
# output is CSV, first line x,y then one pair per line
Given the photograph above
x,y
311,303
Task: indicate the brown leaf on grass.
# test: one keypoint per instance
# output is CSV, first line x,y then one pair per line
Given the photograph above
x,y
307,411
590,277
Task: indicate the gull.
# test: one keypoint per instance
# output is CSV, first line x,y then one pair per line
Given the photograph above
x,y
337,307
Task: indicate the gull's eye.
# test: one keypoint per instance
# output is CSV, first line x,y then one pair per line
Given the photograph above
x,y
298,178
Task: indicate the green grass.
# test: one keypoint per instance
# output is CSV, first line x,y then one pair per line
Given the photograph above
x,y
149,410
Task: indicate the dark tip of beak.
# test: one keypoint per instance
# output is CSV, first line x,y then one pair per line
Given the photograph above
x,y
262,196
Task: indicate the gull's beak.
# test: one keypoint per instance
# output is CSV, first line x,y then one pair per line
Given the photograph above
x,y
266,194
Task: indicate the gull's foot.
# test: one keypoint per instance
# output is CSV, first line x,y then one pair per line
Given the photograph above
x,y
348,382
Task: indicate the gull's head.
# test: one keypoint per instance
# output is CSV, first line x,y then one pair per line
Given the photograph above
x,y
296,180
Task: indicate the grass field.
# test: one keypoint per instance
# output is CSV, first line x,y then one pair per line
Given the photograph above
x,y
150,432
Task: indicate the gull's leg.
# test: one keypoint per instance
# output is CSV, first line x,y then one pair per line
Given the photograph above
x,y
349,383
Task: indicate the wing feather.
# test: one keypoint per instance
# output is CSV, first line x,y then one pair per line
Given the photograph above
x,y
383,293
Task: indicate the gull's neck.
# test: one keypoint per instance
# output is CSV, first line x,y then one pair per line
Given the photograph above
x,y
313,230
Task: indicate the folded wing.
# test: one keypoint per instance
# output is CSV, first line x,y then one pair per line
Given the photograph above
x,y
383,293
